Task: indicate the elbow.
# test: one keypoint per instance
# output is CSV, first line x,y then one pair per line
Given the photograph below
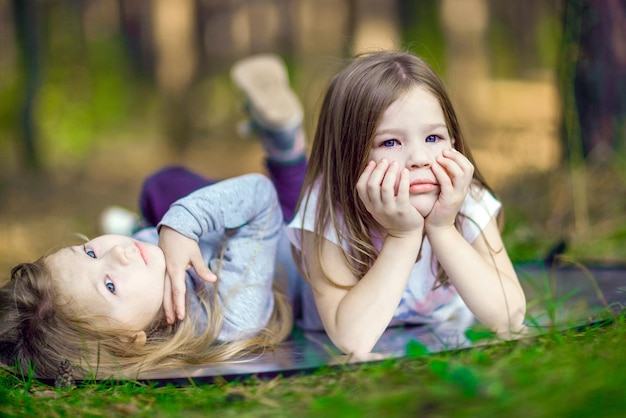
x,y
352,348
353,344
512,326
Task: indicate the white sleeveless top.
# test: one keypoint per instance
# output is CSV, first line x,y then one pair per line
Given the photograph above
x,y
420,303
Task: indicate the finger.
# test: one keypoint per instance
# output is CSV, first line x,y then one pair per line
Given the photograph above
x,y
361,185
461,161
460,170
442,176
450,158
456,156
388,185
375,180
178,293
202,270
465,164
403,187
168,307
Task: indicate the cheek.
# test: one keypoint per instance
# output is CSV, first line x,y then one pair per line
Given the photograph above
x,y
441,147
374,155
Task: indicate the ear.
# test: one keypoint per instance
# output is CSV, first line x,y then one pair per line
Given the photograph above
x,y
139,338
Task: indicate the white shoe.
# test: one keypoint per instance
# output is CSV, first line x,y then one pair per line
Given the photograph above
x,y
264,81
118,220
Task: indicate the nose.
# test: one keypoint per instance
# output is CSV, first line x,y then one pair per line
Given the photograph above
x,y
118,253
419,157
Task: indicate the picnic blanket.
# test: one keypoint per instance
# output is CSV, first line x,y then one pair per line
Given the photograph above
x,y
559,298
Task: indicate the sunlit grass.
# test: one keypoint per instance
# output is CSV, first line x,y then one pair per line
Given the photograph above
x,y
558,374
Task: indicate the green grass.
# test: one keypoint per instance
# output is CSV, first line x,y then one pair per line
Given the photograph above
x,y
579,373
559,374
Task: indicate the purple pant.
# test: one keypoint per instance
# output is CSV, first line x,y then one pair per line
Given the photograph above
x,y
164,187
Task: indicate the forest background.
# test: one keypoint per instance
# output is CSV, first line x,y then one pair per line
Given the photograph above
x,y
95,94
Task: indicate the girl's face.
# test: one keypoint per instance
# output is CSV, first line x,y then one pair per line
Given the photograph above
x,y
413,132
112,276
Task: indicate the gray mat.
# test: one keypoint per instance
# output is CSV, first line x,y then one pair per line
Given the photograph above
x,y
558,299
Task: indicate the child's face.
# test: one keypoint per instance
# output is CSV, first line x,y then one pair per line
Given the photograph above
x,y
114,276
413,132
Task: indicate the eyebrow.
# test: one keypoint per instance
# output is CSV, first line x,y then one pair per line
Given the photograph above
x,y
436,126
427,127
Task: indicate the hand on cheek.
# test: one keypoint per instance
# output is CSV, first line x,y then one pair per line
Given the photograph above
x,y
384,190
454,173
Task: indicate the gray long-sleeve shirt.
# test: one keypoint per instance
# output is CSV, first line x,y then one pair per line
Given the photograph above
x,y
237,223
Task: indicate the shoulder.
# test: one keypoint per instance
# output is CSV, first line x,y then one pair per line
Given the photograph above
x,y
478,209
305,218
481,199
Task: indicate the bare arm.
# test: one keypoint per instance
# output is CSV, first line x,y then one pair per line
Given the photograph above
x,y
355,318
484,276
481,272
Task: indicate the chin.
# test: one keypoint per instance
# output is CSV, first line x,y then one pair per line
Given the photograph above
x,y
424,208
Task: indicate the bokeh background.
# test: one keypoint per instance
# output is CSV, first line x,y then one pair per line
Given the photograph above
x,y
96,94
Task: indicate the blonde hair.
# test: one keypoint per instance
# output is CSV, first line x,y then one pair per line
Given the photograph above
x,y
351,110
39,331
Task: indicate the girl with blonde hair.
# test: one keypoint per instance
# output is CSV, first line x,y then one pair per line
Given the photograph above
x,y
205,284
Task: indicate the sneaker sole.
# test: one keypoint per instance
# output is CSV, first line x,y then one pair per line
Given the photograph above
x,y
264,81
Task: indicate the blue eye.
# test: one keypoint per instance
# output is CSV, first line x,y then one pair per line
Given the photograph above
x,y
390,143
432,138
89,252
109,285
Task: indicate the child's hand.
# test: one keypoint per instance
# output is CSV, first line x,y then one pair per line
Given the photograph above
x,y
377,190
181,254
454,173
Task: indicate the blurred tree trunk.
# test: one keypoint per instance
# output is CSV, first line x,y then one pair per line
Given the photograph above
x,y
465,25
421,31
288,29
176,47
373,25
135,28
27,28
351,26
592,74
520,20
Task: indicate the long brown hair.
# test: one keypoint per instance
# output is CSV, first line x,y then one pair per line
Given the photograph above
x,y
39,331
352,107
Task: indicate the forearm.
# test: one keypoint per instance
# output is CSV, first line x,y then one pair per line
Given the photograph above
x,y
247,201
493,294
366,310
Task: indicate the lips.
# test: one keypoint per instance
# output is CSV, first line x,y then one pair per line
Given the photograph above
x,y
142,252
422,186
